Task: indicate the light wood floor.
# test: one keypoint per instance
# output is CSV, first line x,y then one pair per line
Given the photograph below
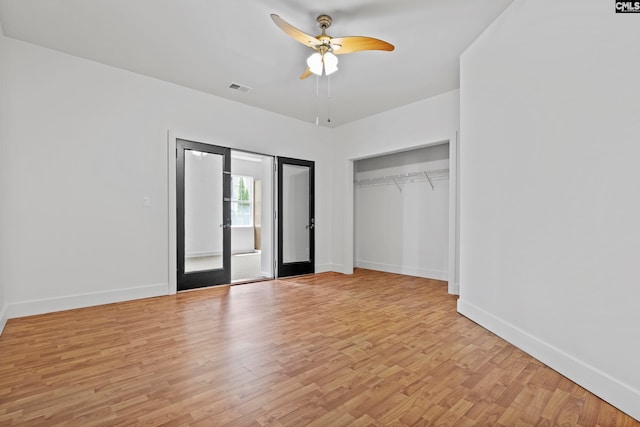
x,y
323,350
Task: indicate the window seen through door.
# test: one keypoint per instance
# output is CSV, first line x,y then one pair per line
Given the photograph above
x,y
241,200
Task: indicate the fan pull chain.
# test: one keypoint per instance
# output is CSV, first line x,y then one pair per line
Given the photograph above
x,y
328,99
317,100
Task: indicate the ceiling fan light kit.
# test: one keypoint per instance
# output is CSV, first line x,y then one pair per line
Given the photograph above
x,y
318,62
330,63
326,47
314,62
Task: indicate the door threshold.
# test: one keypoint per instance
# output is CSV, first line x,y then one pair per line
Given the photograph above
x,y
246,281
295,276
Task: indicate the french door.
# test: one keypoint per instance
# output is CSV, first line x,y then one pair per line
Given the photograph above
x,y
296,218
203,214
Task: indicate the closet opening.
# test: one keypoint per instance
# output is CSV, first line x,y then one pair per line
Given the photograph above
x,y
402,213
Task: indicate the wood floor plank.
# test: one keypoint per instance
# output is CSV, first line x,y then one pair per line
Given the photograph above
x,y
369,349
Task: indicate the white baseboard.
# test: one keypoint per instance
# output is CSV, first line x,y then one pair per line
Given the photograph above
x,y
610,389
400,269
323,268
3,317
68,302
336,268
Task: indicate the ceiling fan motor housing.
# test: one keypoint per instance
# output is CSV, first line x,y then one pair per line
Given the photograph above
x,y
324,21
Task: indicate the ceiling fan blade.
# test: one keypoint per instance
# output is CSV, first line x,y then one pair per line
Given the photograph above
x,y
306,74
357,43
295,33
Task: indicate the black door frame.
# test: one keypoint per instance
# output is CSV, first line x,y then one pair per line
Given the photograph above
x,y
198,279
304,267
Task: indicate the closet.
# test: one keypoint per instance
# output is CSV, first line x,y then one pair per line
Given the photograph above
x,y
401,212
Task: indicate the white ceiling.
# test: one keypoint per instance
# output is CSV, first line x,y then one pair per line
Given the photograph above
x,y
207,44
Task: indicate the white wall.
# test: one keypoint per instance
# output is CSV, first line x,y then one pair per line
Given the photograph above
x,y
403,227
86,142
3,176
242,240
244,167
423,123
550,234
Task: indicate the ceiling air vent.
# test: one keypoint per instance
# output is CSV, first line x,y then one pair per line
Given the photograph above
x,y
238,87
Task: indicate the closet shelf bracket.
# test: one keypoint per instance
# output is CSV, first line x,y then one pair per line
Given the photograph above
x,y
396,183
429,179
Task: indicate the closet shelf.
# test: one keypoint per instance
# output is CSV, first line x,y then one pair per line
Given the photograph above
x,y
429,176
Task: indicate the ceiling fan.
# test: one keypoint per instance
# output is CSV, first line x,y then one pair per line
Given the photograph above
x,y
327,47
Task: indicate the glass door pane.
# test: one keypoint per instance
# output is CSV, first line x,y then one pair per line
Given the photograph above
x,y
203,211
295,208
